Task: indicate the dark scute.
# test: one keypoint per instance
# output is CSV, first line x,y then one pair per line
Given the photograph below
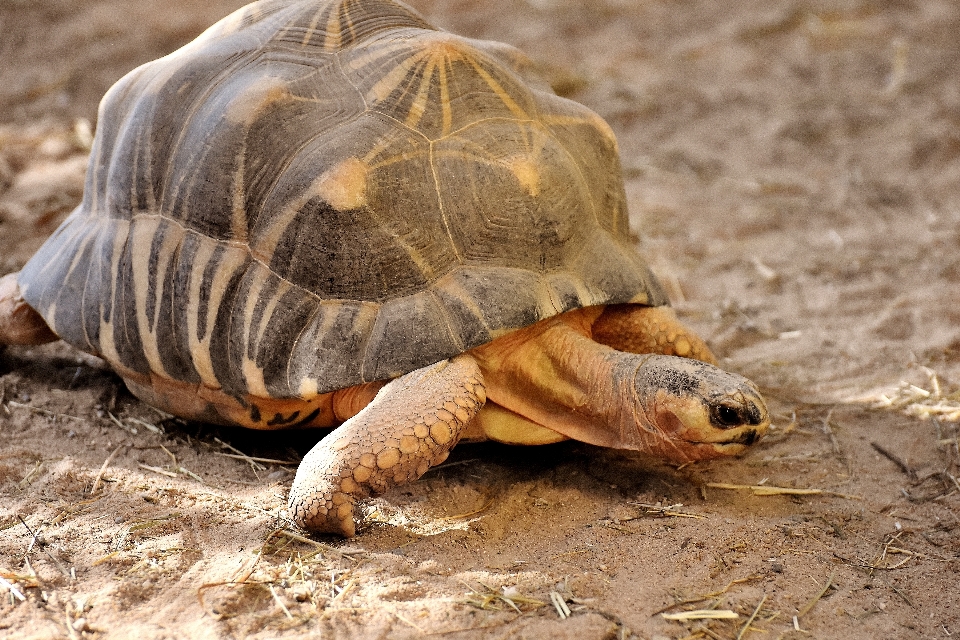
x,y
354,258
98,291
264,296
293,312
594,150
126,330
44,280
503,297
493,216
612,269
317,103
222,344
392,244
171,329
426,337
564,292
332,344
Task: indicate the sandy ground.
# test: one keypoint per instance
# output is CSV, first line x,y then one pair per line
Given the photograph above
x,y
793,169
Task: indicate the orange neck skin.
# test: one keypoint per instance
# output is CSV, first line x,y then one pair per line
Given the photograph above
x,y
556,375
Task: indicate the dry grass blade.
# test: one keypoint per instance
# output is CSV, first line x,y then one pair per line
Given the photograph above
x,y
707,596
486,505
671,511
276,598
253,463
702,614
492,599
149,426
766,490
163,472
918,401
12,588
560,605
237,456
807,608
103,468
753,616
43,412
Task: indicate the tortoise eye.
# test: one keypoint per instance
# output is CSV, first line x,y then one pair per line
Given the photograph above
x,y
724,416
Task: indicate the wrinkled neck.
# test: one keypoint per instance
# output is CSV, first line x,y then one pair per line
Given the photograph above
x,y
554,374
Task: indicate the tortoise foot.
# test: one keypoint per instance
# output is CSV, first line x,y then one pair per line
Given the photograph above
x,y
639,329
411,425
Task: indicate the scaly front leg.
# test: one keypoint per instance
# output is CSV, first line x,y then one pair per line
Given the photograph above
x,y
411,425
635,328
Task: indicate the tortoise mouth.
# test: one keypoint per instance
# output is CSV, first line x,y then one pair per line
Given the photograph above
x,y
746,438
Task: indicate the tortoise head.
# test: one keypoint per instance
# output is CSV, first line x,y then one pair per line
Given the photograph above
x,y
689,410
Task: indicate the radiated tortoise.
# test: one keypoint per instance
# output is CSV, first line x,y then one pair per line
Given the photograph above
x,y
316,197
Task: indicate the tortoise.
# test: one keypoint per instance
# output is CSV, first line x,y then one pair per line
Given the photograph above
x,y
329,212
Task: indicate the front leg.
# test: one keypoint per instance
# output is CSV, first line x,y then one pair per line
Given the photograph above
x,y
411,425
639,329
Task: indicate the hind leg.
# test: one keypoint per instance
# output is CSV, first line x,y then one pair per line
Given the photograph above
x,y
640,329
19,323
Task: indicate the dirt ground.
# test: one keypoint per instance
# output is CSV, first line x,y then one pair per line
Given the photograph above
x,y
793,167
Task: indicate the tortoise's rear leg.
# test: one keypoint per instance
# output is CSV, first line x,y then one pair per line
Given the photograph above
x,y
19,323
639,329
410,426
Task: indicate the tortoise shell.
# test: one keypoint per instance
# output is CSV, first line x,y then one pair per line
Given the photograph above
x,y
317,194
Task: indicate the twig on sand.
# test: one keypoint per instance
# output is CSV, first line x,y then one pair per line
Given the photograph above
x,y
35,540
828,429
701,614
807,608
246,458
707,596
767,490
895,459
753,616
671,511
256,466
12,588
103,468
43,412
